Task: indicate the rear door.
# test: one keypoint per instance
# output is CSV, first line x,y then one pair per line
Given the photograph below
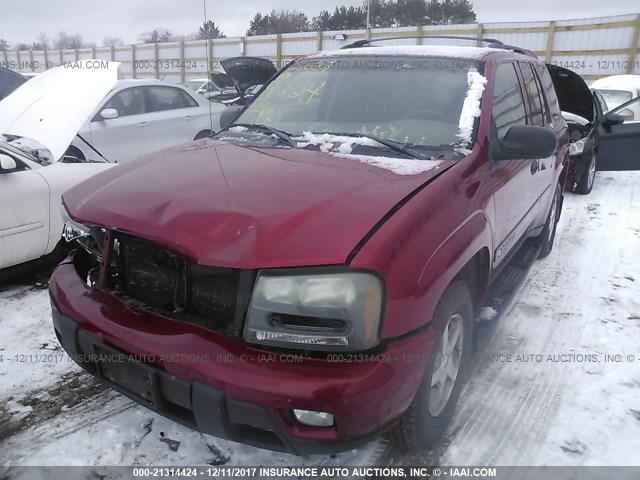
x,y
126,137
544,112
618,144
173,116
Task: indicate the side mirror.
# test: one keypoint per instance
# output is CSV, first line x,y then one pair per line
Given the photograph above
x,y
625,114
109,113
7,163
613,118
524,142
228,116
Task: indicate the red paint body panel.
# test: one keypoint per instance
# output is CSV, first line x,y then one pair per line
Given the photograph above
x,y
363,396
232,206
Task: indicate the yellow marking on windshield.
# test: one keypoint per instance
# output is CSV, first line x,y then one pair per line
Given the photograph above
x,y
313,93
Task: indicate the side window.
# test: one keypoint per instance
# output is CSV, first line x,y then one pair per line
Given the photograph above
x,y
549,91
535,101
508,106
127,102
168,98
630,111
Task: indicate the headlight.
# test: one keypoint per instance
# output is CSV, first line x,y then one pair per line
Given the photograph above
x,y
576,148
73,230
338,311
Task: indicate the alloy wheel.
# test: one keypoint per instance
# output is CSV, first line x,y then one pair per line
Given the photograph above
x,y
447,365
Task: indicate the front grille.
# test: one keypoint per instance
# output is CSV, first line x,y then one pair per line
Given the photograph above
x,y
162,281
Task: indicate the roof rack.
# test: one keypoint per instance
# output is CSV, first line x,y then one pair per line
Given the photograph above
x,y
491,41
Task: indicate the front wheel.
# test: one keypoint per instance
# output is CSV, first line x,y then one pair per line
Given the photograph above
x,y
585,185
428,416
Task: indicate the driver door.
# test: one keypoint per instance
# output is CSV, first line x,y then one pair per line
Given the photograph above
x,y
128,136
618,143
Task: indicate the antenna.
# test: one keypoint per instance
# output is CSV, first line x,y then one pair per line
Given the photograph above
x,y
206,46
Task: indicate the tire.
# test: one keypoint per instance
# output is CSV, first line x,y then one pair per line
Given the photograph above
x,y
585,184
203,134
548,234
429,415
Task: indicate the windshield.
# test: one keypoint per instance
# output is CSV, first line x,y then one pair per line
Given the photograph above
x,y
414,100
615,97
195,84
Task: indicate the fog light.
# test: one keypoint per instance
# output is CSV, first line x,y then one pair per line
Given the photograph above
x,y
314,419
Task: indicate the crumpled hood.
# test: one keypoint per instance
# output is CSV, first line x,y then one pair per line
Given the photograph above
x,y
51,107
246,207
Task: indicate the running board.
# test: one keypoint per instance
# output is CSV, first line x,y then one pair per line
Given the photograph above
x,y
509,280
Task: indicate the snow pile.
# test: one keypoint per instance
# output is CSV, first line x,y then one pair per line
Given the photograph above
x,y
471,105
326,141
395,165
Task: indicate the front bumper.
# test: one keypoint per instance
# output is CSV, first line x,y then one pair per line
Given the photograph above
x,y
222,386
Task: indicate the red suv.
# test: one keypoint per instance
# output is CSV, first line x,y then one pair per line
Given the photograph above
x,y
309,278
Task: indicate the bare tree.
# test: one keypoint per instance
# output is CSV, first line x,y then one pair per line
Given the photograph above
x,y
43,41
157,35
112,42
4,45
69,42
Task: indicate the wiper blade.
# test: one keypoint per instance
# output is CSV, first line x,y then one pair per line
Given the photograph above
x,y
390,144
282,135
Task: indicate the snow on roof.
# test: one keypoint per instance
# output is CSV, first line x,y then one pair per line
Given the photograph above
x,y
618,82
448,51
399,166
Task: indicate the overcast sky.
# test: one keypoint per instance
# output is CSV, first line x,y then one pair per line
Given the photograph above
x,y
23,20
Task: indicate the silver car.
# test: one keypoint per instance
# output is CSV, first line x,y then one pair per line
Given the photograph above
x,y
141,116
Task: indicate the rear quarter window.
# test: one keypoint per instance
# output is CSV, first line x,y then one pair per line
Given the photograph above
x,y
549,91
537,115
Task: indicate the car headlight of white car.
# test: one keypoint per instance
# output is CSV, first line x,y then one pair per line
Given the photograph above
x,y
576,148
73,230
323,311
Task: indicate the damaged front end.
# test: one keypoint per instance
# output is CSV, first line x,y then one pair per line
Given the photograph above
x,y
154,279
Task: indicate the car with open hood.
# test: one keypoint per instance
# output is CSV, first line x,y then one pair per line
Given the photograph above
x,y
593,121
309,278
46,111
241,79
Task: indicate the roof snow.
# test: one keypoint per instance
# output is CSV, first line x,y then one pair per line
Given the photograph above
x,y
447,51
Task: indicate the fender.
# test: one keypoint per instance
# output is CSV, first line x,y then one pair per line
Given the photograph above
x,y
451,256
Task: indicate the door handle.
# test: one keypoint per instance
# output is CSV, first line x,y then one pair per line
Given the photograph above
x,y
535,166
188,117
143,124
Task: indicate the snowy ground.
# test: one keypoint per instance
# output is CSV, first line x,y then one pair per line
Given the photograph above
x,y
543,391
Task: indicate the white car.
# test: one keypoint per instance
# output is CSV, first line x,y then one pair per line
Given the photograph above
x,y
618,89
48,109
138,117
